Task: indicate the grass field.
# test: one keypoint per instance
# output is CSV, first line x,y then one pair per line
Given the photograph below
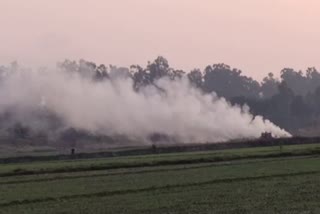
x,y
255,180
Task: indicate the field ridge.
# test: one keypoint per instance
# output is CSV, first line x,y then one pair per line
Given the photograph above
x,y
153,188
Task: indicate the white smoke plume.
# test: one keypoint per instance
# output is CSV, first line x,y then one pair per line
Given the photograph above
x,y
112,107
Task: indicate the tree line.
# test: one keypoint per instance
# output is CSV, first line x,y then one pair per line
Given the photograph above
x,y
291,101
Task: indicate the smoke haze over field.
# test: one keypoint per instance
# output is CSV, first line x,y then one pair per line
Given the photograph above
x,y
113,107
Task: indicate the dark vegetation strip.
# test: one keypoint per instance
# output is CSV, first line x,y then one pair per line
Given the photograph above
x,y
153,188
149,163
169,149
102,175
146,171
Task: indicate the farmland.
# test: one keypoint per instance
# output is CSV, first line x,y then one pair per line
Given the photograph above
x,y
250,180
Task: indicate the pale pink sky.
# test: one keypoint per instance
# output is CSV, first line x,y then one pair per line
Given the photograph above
x,y
257,36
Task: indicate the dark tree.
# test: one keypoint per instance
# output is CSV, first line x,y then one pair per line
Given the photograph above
x,y
228,83
269,86
195,77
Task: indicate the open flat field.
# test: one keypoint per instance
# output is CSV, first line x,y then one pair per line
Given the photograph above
x,y
254,180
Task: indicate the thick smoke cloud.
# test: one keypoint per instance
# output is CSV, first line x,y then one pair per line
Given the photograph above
x,y
112,107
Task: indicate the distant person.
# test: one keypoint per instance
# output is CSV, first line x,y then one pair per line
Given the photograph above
x,y
73,151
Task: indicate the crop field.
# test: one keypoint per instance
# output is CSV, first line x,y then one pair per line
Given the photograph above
x,y
253,180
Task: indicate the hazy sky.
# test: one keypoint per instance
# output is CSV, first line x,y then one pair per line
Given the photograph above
x,y
257,36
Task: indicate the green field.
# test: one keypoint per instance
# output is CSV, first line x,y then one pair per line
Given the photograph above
x,y
255,180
